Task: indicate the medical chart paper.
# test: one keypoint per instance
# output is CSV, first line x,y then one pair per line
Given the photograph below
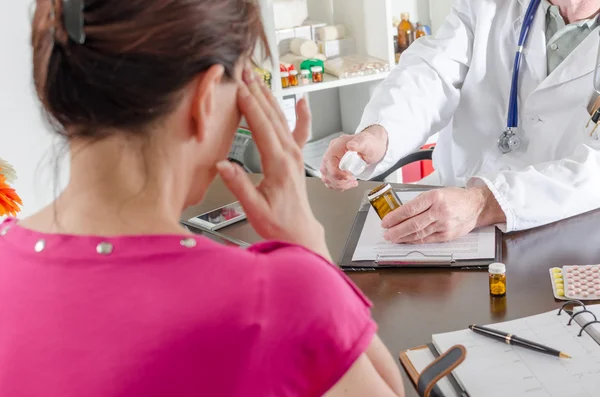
x,y
495,369
479,244
314,151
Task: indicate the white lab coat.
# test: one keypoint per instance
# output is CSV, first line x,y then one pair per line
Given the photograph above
x,y
458,83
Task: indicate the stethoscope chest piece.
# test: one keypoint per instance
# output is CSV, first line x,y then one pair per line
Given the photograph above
x,y
509,141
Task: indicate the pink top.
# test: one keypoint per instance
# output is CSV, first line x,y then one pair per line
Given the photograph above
x,y
172,316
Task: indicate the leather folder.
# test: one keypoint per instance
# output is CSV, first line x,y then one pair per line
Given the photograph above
x,y
428,381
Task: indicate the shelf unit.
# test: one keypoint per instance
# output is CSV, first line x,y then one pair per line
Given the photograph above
x,y
337,104
359,17
330,81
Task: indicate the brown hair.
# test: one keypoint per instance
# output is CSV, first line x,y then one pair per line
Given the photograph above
x,y
137,57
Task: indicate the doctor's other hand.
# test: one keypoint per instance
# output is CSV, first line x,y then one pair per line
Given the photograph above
x,y
370,144
442,215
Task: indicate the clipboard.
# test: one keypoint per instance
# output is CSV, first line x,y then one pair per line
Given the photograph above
x,y
414,259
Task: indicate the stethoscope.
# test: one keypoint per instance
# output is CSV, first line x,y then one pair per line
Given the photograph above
x,y
509,141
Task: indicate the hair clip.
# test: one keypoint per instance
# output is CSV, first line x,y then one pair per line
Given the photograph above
x,y
73,19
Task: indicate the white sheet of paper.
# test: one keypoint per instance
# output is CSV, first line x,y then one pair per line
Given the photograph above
x,y
479,244
314,151
289,110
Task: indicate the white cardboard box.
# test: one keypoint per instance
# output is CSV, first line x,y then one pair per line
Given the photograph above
x,y
314,26
303,32
289,13
284,38
337,48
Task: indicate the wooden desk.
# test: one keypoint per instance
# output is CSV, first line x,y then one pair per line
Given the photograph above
x,y
411,305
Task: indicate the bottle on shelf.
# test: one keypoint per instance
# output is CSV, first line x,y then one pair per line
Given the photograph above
x,y
317,74
420,31
305,78
285,79
406,32
293,79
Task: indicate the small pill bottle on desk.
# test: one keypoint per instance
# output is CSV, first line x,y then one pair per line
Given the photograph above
x,y
497,275
317,74
384,200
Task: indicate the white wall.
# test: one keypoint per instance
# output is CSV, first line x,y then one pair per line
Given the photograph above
x,y
24,140
418,9
429,12
439,10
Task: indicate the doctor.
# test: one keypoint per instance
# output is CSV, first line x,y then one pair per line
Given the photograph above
x,y
545,168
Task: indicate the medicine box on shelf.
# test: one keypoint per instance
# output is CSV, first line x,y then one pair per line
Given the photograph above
x,y
337,48
314,28
285,36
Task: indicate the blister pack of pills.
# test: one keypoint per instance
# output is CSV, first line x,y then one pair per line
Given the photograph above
x,y
576,282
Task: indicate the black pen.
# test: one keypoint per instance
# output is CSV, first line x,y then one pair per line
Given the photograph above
x,y
511,339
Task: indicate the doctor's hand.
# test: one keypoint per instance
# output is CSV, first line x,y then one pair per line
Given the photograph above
x,y
370,144
442,215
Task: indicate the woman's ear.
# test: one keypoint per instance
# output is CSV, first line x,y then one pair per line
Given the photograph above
x,y
204,105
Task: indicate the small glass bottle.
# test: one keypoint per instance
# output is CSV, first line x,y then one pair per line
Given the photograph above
x,y
406,32
384,200
285,79
317,74
420,31
305,77
497,272
293,78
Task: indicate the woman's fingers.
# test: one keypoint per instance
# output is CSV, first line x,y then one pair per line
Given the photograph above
x,y
263,132
238,182
271,111
303,123
278,112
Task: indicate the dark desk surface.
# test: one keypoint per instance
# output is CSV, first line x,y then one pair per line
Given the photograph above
x,y
411,305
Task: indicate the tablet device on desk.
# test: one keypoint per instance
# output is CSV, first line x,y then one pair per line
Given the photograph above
x,y
220,217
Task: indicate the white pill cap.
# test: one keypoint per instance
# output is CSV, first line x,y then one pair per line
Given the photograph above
x,y
497,268
353,163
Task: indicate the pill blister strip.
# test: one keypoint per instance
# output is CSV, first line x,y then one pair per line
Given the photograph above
x,y
576,282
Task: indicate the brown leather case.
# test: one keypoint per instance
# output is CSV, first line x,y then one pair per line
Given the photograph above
x,y
442,366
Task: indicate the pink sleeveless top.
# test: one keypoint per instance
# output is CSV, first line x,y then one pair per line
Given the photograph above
x,y
172,316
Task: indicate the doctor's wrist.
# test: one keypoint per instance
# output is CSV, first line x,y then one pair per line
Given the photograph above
x,y
490,212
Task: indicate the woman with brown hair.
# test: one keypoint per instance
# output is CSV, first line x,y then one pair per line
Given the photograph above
x,y
103,293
